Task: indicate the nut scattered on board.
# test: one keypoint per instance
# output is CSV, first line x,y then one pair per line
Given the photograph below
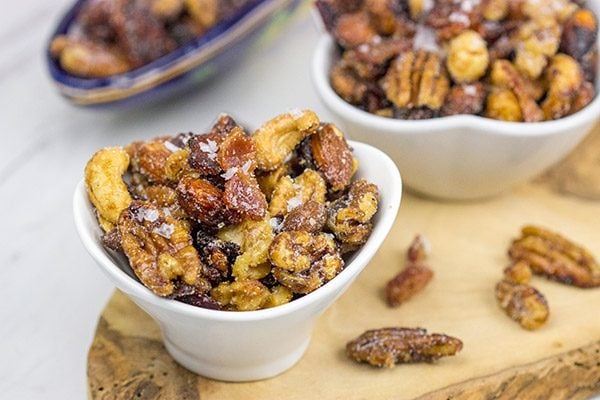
x,y
414,277
523,303
387,347
557,258
232,221
408,61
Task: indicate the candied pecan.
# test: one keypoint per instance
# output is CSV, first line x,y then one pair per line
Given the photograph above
x,y
347,84
565,78
468,57
370,60
449,18
465,99
518,272
276,139
414,113
304,261
354,29
309,217
579,33
150,158
350,217
105,187
407,283
505,75
330,10
387,347
523,303
332,156
202,201
254,239
163,196
87,59
159,248
241,295
502,48
557,258
416,80
290,193
536,40
503,104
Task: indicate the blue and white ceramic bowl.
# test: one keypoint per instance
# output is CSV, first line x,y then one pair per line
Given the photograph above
x,y
189,65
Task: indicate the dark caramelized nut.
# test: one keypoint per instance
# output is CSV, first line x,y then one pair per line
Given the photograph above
x,y
522,303
202,201
465,99
217,255
387,347
243,195
354,29
555,257
407,283
309,217
349,217
579,33
112,240
332,156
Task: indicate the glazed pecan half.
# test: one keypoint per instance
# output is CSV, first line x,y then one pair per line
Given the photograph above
x,y
387,347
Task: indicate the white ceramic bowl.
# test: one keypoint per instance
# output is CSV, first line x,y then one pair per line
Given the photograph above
x,y
459,157
251,345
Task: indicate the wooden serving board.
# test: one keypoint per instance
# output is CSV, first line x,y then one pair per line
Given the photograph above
x,y
499,360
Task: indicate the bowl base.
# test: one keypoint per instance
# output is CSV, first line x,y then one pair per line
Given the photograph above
x,y
236,374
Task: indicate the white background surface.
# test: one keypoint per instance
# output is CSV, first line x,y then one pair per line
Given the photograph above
x,y
51,292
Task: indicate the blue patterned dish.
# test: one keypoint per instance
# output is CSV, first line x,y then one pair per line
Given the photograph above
x,y
189,65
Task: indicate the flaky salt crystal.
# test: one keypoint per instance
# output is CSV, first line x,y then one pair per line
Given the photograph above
x,y
246,166
229,173
165,230
275,224
470,90
459,18
425,39
171,147
296,113
294,202
210,148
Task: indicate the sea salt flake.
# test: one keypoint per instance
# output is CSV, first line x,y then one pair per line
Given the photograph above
x,y
294,202
246,167
275,223
470,90
210,148
425,39
171,147
164,230
459,18
296,113
229,173
146,214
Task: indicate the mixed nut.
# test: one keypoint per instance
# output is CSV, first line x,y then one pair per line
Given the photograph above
x,y
512,60
232,221
111,37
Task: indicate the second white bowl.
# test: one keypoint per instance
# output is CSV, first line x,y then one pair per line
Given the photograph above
x,y
248,345
459,157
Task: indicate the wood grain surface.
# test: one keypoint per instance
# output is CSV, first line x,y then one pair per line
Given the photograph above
x,y
499,360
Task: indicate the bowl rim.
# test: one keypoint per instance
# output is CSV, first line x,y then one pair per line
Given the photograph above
x,y
320,66
388,212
